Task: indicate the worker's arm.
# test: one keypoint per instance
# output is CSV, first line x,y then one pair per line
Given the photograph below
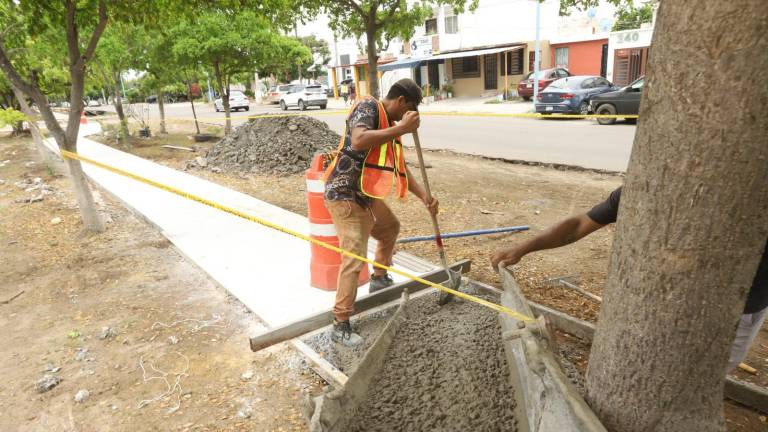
x,y
417,189
363,139
563,233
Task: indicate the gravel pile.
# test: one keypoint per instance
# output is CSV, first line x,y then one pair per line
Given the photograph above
x,y
274,146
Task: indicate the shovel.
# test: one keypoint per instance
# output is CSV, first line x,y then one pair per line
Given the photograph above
x,y
454,278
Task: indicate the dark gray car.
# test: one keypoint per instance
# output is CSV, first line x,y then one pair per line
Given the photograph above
x,y
624,101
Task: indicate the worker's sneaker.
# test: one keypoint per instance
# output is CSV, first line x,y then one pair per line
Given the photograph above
x,y
380,282
343,334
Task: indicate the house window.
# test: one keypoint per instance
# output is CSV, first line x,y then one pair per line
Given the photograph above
x,y
465,67
561,57
452,24
430,26
514,63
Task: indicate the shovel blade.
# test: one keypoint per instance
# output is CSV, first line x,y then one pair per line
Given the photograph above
x,y
454,283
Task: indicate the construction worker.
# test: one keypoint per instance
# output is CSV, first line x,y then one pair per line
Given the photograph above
x,y
368,167
577,227
345,92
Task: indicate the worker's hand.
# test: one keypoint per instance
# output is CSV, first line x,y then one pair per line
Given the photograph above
x,y
410,122
432,206
506,257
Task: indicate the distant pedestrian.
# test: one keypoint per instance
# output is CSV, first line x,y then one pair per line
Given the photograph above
x,y
345,92
352,93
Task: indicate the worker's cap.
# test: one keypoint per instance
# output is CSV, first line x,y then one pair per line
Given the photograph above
x,y
407,88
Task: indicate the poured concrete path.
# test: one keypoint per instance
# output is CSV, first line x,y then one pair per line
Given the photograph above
x,y
265,269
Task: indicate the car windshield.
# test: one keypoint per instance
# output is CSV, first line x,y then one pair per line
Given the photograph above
x,y
567,83
638,85
236,94
314,89
273,88
284,88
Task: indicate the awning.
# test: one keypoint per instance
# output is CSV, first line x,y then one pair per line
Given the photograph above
x,y
473,53
403,64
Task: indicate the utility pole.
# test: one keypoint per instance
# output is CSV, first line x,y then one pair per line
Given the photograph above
x,y
536,55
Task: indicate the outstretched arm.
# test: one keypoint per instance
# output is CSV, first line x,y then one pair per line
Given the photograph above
x,y
563,233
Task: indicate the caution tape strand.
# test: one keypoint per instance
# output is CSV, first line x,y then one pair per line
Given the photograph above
x,y
263,222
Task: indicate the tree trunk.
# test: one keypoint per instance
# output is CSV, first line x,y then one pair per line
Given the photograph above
x,y
37,138
373,58
693,222
192,101
224,97
124,132
161,106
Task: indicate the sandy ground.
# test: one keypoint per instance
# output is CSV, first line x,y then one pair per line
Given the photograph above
x,y
163,314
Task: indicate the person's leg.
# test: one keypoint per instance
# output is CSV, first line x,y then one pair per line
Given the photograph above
x,y
353,225
749,325
385,229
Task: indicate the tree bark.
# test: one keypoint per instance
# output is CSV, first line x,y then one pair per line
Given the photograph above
x,y
118,102
161,106
373,58
693,222
192,101
224,94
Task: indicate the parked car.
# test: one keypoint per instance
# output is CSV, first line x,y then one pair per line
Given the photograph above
x,y
571,95
546,77
302,96
623,101
327,90
237,101
151,99
276,93
92,103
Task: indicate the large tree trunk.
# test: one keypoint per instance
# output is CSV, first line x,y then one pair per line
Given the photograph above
x,y
118,102
33,128
373,58
693,222
161,106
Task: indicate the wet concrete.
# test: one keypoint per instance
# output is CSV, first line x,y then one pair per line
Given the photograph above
x,y
446,370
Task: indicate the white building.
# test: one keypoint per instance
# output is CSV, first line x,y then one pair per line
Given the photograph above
x,y
476,53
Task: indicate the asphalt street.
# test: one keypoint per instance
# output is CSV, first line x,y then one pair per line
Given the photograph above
x,y
564,141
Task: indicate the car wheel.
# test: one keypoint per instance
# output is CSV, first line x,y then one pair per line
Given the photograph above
x,y
584,108
283,106
247,108
527,98
606,109
631,120
217,108
302,107
323,106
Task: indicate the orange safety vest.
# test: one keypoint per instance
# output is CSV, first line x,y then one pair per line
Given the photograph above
x,y
384,166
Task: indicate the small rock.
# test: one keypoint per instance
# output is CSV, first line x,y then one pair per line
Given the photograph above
x,y
46,383
81,354
50,367
173,340
537,212
29,164
245,411
292,127
82,396
216,169
107,332
201,161
56,221
247,376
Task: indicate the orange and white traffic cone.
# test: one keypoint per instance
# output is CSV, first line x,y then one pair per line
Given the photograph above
x,y
83,120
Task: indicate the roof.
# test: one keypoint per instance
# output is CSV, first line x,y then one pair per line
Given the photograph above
x,y
403,64
364,61
580,38
476,52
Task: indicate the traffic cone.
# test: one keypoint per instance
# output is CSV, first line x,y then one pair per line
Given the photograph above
x,y
83,120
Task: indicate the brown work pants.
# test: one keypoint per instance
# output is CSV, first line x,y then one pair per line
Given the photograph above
x,y
354,224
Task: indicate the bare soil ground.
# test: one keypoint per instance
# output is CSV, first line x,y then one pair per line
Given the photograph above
x,y
164,314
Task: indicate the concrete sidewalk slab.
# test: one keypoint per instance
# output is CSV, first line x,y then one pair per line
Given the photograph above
x,y
265,269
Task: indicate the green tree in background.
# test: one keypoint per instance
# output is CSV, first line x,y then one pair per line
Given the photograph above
x,y
381,21
629,17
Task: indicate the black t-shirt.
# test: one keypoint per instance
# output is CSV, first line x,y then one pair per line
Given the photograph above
x,y
757,299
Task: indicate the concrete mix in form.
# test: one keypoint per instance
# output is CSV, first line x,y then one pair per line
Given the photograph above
x,y
445,370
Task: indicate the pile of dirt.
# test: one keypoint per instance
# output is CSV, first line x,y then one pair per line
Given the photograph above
x,y
272,146
445,370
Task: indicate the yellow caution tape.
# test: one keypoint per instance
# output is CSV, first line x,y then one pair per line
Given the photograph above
x,y
299,235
